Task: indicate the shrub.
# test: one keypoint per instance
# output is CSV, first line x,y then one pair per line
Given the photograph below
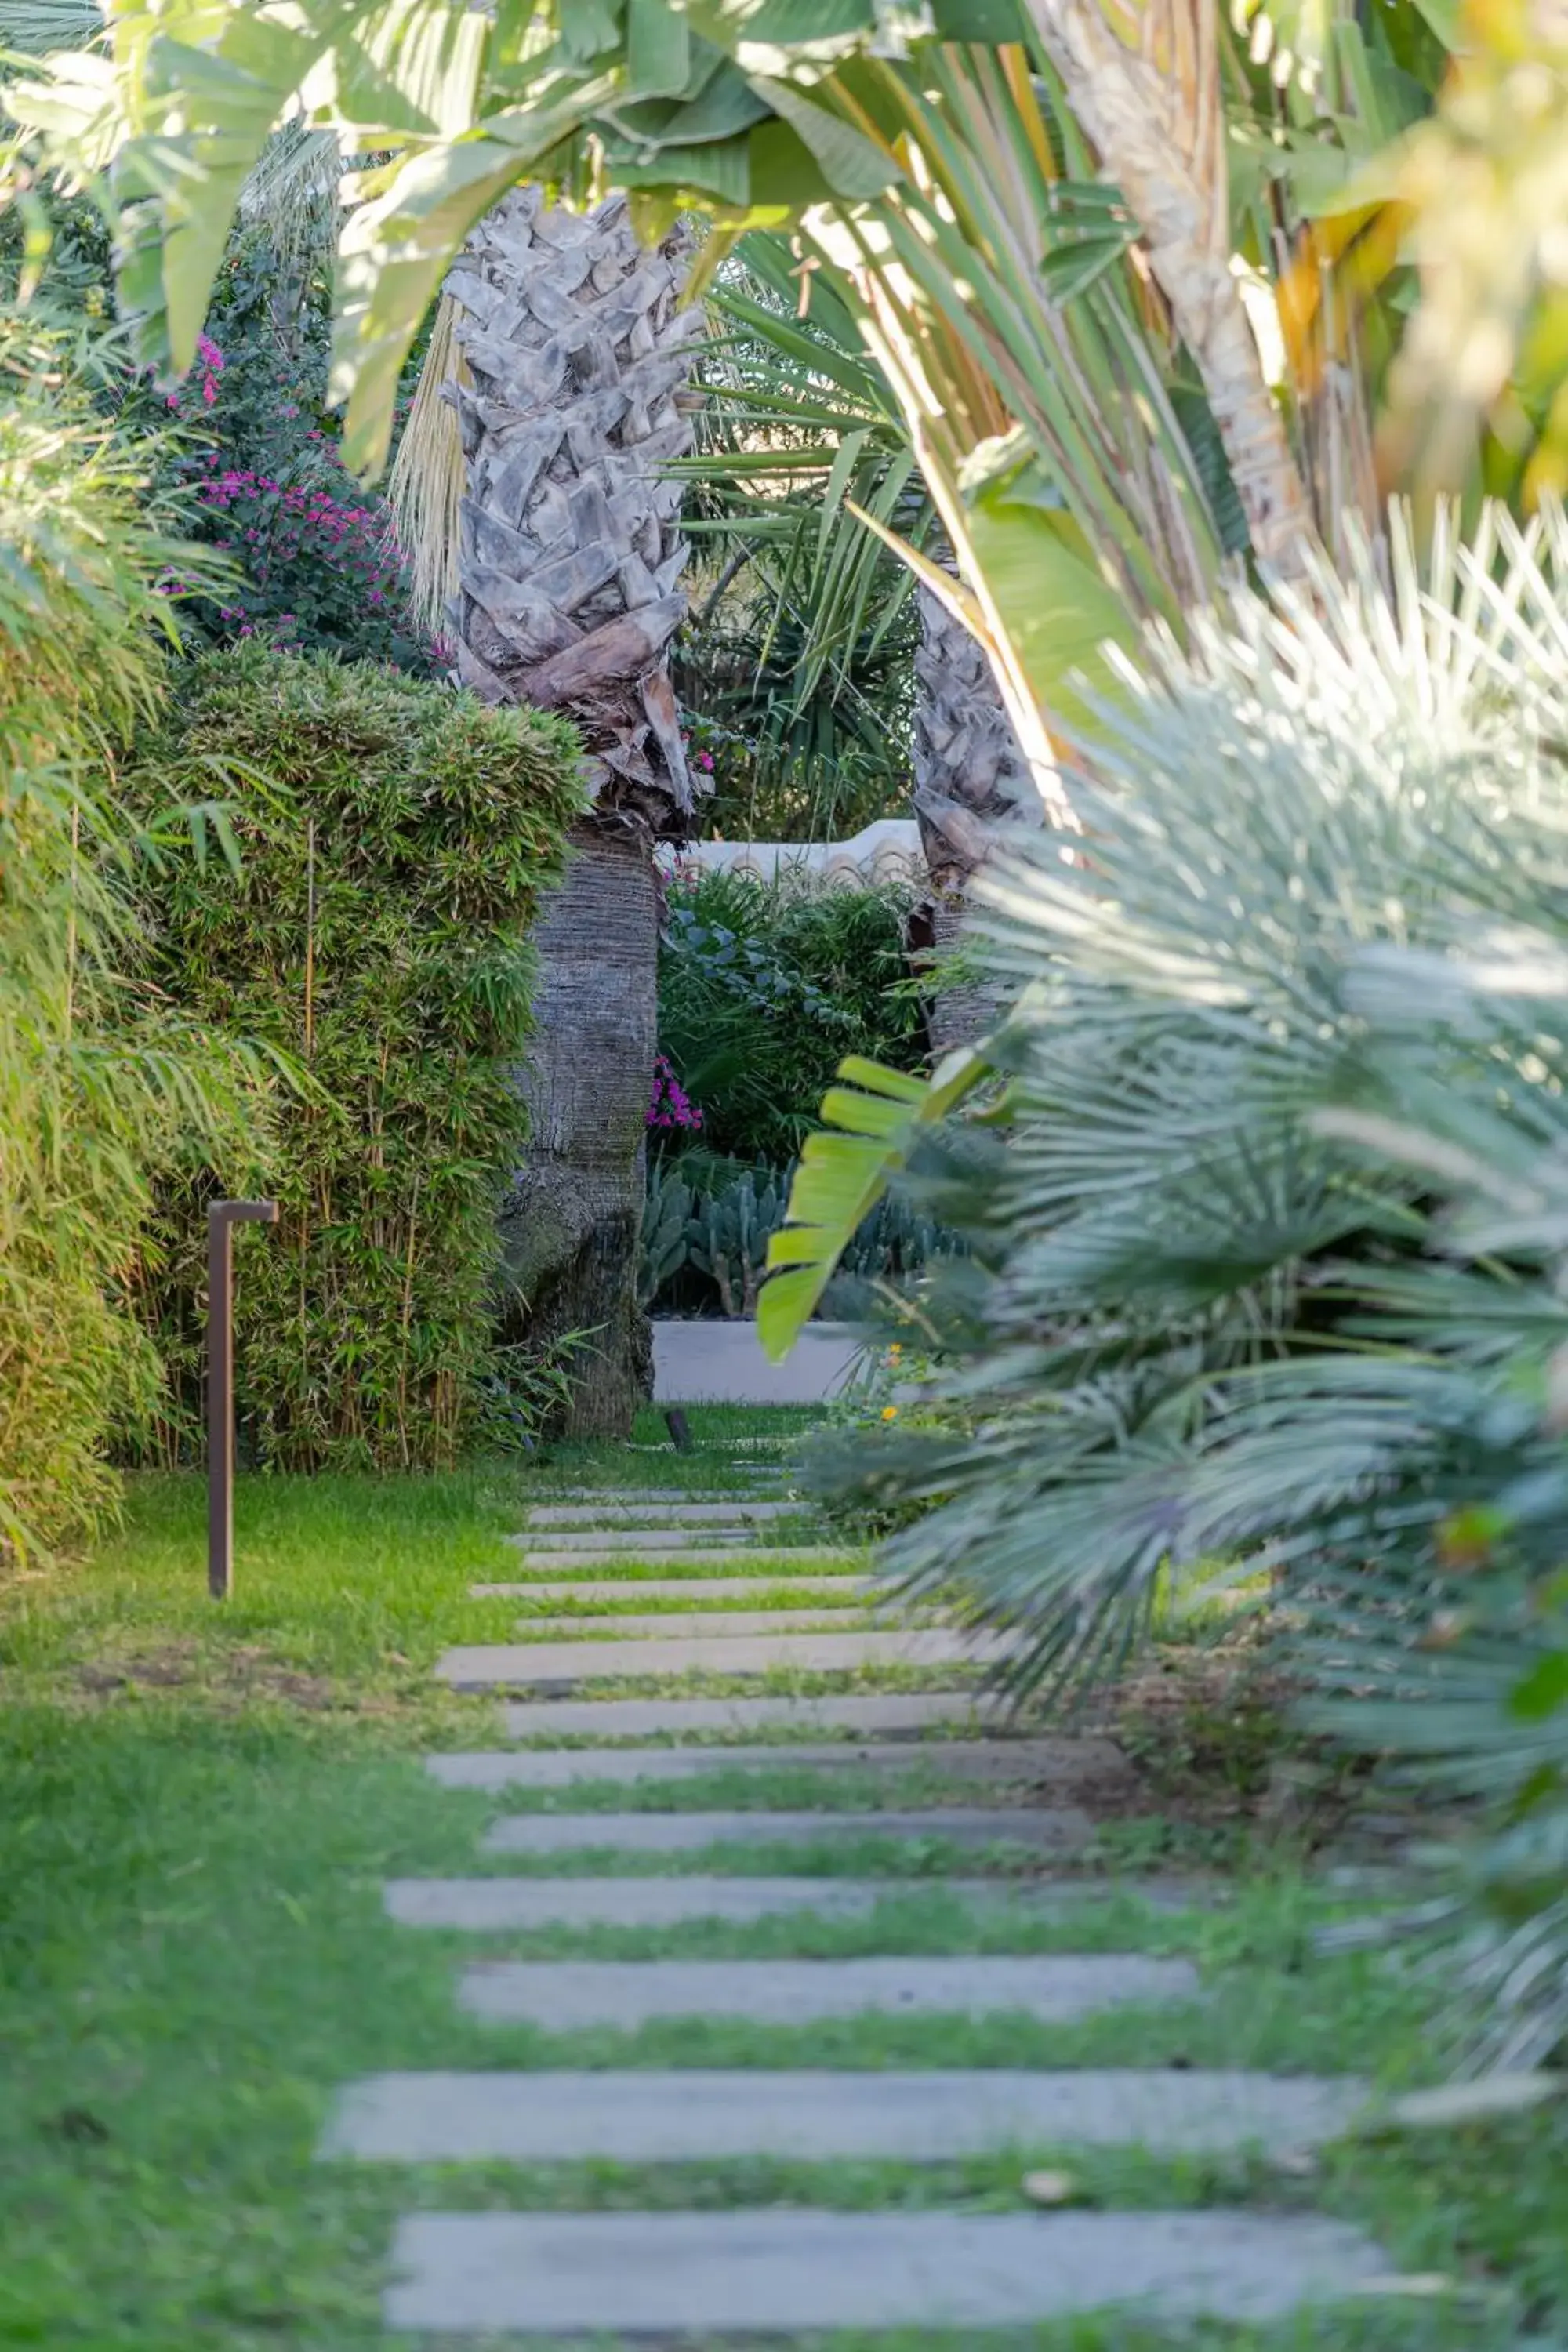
x,y
99,1085
765,988
316,563
396,840
1312,987
707,1225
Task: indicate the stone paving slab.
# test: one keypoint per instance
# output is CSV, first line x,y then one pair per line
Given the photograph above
x,y
753,1558
634,1543
1063,1764
754,1472
611,1508
821,2116
1053,1831
564,1995
627,1590
701,1625
1003,1763
671,2276
516,1666
895,1714
490,1906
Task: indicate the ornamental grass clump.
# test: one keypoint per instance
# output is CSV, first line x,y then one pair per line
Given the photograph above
x,y
396,839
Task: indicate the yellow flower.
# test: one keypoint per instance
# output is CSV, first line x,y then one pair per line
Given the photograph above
x,y
890,1413
895,1350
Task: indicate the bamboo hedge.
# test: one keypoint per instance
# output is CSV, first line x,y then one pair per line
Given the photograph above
x,y
395,840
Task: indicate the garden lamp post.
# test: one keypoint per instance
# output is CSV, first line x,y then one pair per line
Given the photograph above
x,y
222,1218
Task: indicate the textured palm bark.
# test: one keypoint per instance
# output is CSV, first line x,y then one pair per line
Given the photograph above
x,y
571,1222
970,782
570,551
569,561
1142,79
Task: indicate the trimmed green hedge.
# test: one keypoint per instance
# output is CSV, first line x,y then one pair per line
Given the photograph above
x,y
394,841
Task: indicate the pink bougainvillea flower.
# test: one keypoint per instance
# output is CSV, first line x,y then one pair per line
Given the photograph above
x,y
670,1105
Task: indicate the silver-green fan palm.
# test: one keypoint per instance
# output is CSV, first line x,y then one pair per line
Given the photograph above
x,y
1313,982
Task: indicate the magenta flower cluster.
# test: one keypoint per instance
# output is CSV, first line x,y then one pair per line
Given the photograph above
x,y
670,1105
275,525
701,756
210,361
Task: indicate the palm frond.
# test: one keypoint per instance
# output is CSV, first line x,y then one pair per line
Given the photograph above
x,y
424,490
1268,1266
35,27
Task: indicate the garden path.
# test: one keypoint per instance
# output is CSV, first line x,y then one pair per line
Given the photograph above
x,y
637,1837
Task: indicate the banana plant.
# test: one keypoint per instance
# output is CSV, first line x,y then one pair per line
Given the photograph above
x,y
873,1118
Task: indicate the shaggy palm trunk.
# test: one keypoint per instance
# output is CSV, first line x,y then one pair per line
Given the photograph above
x,y
1144,84
971,779
580,358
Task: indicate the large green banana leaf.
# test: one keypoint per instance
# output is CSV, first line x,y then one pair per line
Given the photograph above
x,y
872,1119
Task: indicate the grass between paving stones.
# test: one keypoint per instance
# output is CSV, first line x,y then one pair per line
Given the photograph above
x,y
776,1787
799,1682
606,1621
201,1805
829,1856
194,1954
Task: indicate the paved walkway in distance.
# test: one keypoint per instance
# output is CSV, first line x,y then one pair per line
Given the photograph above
x,y
723,1853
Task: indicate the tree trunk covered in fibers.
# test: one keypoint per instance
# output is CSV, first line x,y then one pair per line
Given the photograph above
x,y
570,556
1143,80
571,1221
970,778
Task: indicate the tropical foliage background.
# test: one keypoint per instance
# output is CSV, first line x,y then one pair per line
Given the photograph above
x,y
1088,341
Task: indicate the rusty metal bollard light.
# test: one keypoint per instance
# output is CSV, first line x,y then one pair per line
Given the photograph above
x,y
222,1218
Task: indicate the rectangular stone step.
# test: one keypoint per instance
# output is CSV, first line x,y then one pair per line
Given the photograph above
x,y
894,1714
614,1510
1057,1763
1055,1830
701,2115
639,1543
747,1480
714,1558
493,1905
563,1995
614,1625
545,1665
639,2276
626,1591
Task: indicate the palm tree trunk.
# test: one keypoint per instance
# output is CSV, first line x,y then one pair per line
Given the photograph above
x,y
580,358
1151,104
572,1222
971,780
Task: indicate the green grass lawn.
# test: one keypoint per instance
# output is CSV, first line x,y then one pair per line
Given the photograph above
x,y
346,1589
200,1805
